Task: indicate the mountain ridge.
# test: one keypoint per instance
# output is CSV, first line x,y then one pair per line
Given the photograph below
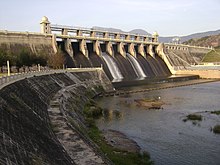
x,y
161,38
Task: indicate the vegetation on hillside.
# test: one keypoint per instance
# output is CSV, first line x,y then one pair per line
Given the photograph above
x,y
213,41
212,56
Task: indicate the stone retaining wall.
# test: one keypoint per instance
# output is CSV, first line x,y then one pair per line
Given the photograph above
x,y
27,135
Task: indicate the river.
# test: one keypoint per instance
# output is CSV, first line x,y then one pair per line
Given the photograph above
x,y
163,133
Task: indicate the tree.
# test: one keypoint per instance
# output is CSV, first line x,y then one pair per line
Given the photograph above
x,y
22,59
57,60
3,58
39,58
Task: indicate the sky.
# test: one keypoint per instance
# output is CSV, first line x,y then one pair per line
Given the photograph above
x,y
167,17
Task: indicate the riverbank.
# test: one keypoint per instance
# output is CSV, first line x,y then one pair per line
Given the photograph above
x,y
156,86
162,132
120,149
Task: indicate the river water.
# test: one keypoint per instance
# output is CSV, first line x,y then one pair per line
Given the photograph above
x,y
163,133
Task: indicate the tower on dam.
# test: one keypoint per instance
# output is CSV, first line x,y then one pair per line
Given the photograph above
x,y
45,25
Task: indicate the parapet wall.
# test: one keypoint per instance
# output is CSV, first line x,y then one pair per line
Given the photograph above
x,y
27,135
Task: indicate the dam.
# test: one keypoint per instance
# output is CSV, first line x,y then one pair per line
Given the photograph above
x,y
41,114
123,56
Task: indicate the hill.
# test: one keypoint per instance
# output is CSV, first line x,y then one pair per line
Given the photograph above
x,y
212,56
139,31
161,38
212,40
191,36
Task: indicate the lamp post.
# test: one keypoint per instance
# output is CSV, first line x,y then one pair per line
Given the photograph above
x,y
38,65
8,66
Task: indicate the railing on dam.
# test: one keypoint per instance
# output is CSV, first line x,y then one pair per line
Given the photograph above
x,y
6,80
185,47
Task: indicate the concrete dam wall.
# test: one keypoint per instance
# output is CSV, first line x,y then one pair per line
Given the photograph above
x,y
34,42
120,61
46,45
184,56
29,110
125,67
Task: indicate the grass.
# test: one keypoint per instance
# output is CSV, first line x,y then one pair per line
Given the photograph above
x,y
118,157
3,74
215,112
212,56
193,117
92,110
216,129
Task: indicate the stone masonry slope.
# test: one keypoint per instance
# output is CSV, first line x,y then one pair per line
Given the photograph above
x,y
27,135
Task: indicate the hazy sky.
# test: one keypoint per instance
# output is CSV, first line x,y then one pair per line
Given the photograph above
x,y
168,17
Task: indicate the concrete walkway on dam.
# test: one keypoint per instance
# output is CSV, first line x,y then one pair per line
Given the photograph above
x,y
6,80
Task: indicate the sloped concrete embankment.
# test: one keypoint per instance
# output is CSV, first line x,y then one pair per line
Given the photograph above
x,y
29,133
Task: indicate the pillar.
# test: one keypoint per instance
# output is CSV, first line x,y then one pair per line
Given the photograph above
x,y
109,48
54,43
96,47
83,48
93,34
45,25
106,35
150,50
137,38
79,32
64,32
146,39
117,36
131,49
127,37
121,49
141,50
160,52
68,47
155,36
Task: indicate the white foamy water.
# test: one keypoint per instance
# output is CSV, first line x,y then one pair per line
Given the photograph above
x,y
115,72
136,66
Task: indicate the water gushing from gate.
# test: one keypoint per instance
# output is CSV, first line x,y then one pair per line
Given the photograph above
x,y
115,72
136,66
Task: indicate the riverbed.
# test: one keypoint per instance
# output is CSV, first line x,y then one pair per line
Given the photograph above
x,y
162,132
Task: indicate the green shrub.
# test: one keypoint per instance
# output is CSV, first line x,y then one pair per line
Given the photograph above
x,y
216,129
215,112
193,117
